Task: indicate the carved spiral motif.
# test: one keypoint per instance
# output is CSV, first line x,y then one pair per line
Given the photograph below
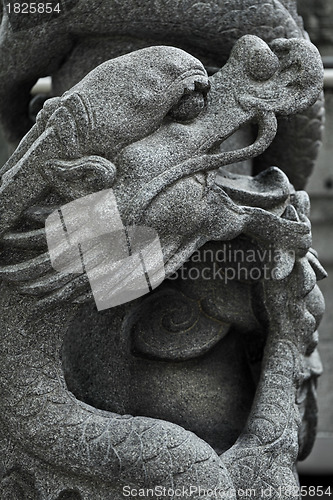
x,y
170,326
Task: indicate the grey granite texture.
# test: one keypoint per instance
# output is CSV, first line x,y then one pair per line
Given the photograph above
x,y
92,402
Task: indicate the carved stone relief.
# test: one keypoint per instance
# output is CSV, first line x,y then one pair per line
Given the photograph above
x,y
202,384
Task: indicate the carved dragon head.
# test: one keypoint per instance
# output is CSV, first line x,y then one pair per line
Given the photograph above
x,y
149,126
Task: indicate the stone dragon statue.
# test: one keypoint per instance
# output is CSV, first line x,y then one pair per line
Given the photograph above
x,y
153,123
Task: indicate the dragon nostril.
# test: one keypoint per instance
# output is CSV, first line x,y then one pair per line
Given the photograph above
x,y
262,65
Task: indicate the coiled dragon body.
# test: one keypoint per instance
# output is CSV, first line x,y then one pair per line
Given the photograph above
x,y
47,424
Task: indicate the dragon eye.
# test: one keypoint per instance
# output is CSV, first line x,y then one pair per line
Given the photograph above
x,y
191,104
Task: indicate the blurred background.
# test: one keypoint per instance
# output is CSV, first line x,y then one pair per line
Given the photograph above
x,y
318,468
